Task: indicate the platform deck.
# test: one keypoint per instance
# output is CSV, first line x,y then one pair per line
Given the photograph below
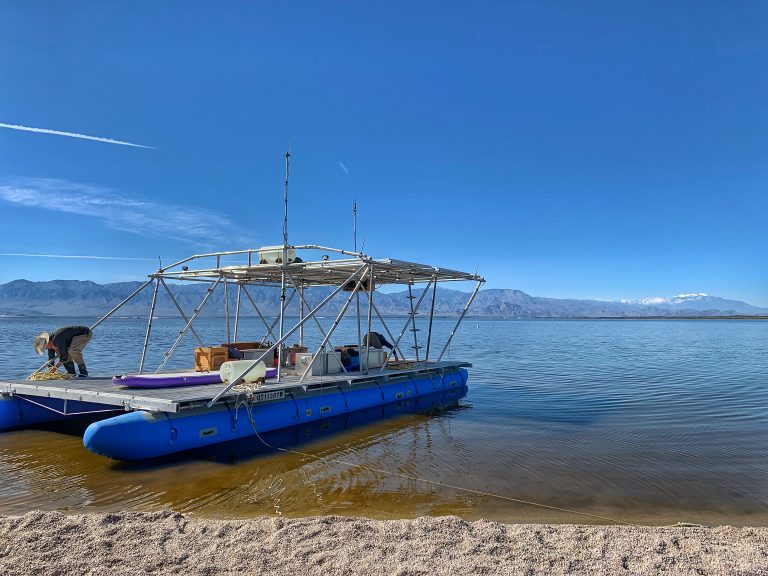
x,y
101,389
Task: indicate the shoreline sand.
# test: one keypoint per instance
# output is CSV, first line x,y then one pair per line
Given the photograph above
x,y
171,543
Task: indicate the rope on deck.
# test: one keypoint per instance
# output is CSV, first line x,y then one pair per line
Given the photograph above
x,y
51,376
400,365
248,387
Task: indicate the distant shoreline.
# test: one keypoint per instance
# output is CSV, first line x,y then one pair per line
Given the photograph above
x,y
468,317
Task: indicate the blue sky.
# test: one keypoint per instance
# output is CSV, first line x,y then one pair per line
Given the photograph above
x,y
569,149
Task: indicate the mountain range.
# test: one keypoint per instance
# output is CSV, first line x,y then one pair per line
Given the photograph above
x,y
86,298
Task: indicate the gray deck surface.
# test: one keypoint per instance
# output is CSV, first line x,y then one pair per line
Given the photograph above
x,y
101,389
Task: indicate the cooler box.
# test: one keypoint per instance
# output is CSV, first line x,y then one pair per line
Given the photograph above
x,y
274,255
377,358
332,363
255,354
318,366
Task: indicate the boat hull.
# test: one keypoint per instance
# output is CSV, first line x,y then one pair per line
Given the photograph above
x,y
141,435
18,412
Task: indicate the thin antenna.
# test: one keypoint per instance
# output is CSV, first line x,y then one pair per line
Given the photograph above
x,y
354,218
285,220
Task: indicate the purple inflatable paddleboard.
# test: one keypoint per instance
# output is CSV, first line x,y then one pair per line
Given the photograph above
x,y
174,379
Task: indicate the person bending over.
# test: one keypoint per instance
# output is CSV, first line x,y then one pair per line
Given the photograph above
x,y
377,340
67,344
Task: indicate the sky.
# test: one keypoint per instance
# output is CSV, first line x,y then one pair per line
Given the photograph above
x,y
567,149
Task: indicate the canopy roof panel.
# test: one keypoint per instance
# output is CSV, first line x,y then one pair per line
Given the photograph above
x,y
325,271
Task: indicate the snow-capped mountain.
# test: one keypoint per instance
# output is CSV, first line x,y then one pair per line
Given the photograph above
x,y
83,298
695,301
661,300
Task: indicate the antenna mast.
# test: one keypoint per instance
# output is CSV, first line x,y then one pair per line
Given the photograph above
x,y
354,219
285,220
284,262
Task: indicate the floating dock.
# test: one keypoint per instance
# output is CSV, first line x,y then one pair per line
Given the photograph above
x,y
138,423
148,423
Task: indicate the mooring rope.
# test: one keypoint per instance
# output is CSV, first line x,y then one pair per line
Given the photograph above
x,y
438,483
248,387
399,365
51,376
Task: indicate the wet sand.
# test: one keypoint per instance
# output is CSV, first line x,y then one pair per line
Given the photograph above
x,y
172,543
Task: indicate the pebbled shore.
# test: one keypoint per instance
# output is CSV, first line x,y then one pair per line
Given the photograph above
x,y
171,543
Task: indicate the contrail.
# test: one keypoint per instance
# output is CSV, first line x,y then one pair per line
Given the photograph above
x,y
68,256
71,135
343,167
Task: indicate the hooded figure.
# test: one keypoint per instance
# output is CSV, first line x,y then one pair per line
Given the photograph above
x,y
68,344
377,340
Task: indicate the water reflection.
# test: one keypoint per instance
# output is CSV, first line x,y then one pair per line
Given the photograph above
x,y
644,421
336,465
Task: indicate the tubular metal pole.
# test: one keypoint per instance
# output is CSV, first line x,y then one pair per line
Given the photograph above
x,y
314,311
319,326
371,286
405,326
277,318
389,333
431,316
359,330
116,308
266,325
284,263
357,298
415,309
282,319
226,308
184,316
413,322
301,314
149,325
333,328
303,303
237,310
183,331
463,313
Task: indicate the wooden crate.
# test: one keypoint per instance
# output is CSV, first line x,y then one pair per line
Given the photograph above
x,y
210,358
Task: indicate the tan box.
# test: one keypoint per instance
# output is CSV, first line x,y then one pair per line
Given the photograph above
x,y
210,358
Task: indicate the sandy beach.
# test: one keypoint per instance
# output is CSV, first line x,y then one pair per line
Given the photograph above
x,y
171,543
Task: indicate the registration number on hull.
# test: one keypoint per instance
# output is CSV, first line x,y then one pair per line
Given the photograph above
x,y
264,396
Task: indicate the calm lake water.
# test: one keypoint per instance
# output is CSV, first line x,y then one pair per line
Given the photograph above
x,y
642,421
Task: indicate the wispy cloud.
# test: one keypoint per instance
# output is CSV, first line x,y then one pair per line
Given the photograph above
x,y
80,257
341,164
71,135
146,218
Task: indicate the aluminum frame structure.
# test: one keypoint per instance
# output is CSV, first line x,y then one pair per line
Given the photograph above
x,y
348,271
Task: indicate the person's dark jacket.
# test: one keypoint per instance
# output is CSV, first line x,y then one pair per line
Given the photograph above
x,y
376,340
62,339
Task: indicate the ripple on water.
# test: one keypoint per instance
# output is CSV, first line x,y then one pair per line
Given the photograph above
x,y
640,420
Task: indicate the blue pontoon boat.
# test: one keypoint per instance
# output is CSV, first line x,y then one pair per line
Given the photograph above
x,y
273,386
150,415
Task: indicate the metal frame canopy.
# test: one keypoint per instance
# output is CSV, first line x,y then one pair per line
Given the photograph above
x,y
320,272
353,272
